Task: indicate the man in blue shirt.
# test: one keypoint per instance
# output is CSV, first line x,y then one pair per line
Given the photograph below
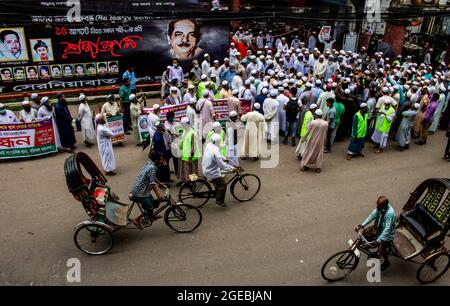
x,y
129,74
382,233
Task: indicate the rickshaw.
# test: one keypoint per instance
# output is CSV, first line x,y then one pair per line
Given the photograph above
x,y
107,214
422,227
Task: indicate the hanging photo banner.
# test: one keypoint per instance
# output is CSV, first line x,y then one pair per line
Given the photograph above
x,y
20,140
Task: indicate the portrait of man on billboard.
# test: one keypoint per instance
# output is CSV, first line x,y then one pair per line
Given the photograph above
x,y
19,73
44,72
183,36
68,71
113,67
12,45
32,73
102,69
56,71
6,74
90,69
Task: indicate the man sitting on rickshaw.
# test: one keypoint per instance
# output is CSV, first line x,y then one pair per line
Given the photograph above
x,y
144,183
382,233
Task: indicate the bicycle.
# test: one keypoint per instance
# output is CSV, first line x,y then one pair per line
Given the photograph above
x,y
198,191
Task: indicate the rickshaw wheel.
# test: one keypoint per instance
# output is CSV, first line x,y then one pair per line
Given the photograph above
x,y
94,239
433,268
339,266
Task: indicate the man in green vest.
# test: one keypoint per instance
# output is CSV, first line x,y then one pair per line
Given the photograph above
x,y
359,131
307,119
202,86
190,150
383,124
217,129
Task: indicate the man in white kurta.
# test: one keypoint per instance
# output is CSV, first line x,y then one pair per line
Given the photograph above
x,y
270,108
192,115
6,115
255,128
85,119
205,108
28,114
104,143
232,138
46,112
152,118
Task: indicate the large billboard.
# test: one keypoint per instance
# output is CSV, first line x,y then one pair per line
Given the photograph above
x,y
48,52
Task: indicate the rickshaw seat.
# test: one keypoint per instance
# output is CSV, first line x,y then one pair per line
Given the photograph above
x,y
421,221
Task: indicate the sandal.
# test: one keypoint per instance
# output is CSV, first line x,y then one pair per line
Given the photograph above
x,y
348,157
318,170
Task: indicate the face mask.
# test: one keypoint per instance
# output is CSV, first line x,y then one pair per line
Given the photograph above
x,y
196,66
175,65
27,108
171,120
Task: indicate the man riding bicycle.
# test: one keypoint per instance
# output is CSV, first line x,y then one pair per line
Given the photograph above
x,y
144,183
382,233
212,163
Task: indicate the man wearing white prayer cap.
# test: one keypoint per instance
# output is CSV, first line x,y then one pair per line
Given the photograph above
x,y
6,115
270,108
359,132
403,135
232,129
152,118
84,116
35,101
383,123
315,142
27,114
104,143
255,130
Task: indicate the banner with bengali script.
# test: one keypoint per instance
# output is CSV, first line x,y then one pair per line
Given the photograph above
x,y
115,124
220,108
19,140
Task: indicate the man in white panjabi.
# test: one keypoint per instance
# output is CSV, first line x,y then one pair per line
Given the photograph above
x,y
28,114
192,115
85,119
205,108
255,128
104,143
152,118
270,108
46,112
232,138
316,135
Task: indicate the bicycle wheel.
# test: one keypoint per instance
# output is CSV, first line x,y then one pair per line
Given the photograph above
x,y
433,268
183,218
94,239
196,193
246,187
339,266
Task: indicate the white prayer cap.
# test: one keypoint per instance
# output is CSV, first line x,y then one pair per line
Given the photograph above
x,y
334,84
247,82
256,106
406,87
156,106
25,102
308,84
34,95
173,88
299,74
110,97
226,59
275,84
213,76
363,105
206,55
224,83
292,81
203,77
318,82
342,52
216,62
330,80
286,84
184,120
313,106
265,84
205,93
396,87
191,87
280,88
385,89
264,91
98,117
347,91
305,79
232,44
273,93
271,72
416,105
2,105
235,91
216,124
81,97
318,112
253,72
233,114
132,97
281,75
44,99
215,138
192,101
238,53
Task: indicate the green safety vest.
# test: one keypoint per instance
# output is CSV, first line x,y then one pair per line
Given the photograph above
x,y
308,118
383,125
185,146
216,90
223,148
201,88
361,130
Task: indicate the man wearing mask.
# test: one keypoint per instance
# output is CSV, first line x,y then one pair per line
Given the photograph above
x,y
85,119
190,94
176,72
382,233
212,164
6,116
35,102
105,147
110,108
28,114
165,82
197,70
46,112
172,99
64,122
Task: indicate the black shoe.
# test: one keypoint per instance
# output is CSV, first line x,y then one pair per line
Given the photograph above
x,y
386,263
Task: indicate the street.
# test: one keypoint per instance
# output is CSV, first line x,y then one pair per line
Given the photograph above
x,y
282,237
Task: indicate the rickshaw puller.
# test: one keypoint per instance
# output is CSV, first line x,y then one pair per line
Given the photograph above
x,y
382,233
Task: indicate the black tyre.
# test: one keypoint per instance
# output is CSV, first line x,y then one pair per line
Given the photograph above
x,y
246,187
339,266
196,193
183,218
94,239
433,268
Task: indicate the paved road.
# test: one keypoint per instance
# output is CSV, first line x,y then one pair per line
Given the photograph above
x,y
280,238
